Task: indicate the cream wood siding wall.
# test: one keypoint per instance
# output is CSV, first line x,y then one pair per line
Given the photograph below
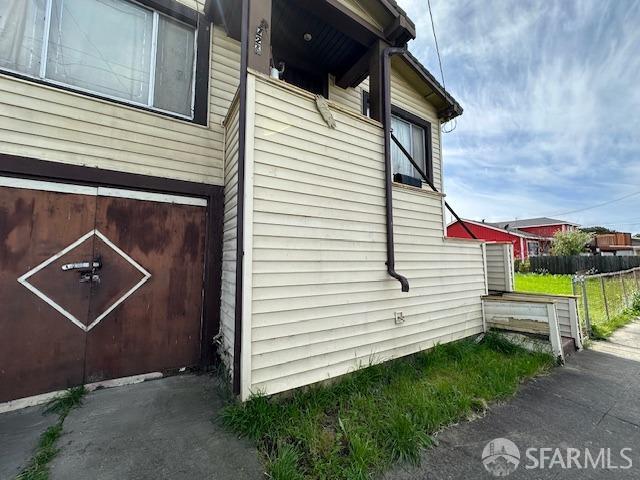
x,y
51,124
350,98
322,302
500,274
229,236
404,96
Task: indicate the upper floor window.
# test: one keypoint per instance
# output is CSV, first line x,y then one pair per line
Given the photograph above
x,y
412,138
113,48
414,134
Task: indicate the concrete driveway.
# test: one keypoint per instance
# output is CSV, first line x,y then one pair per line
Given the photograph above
x,y
160,429
593,403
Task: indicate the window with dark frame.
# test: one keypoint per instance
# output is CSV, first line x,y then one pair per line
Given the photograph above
x,y
414,134
120,50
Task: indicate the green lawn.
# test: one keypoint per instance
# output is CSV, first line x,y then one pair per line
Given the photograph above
x,y
383,414
552,284
602,325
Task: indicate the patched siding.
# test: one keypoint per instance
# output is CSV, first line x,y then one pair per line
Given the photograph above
x,y
322,301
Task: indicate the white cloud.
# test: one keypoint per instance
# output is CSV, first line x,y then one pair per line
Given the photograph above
x,y
551,99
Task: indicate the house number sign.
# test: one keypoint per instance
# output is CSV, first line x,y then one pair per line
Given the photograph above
x,y
260,31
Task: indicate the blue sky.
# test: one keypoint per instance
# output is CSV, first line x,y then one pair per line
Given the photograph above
x,y
551,93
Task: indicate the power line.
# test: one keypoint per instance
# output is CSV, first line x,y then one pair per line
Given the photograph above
x,y
435,39
444,86
609,202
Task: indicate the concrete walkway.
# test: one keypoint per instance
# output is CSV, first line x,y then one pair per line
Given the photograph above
x,y
594,403
160,429
20,432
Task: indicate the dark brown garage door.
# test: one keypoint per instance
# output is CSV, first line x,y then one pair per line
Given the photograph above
x,y
96,284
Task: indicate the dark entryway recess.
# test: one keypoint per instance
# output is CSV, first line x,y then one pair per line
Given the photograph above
x,y
98,284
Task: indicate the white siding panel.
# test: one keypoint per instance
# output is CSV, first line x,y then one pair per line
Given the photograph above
x,y
322,301
500,270
51,124
229,246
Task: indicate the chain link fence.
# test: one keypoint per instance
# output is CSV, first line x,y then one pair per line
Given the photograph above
x,y
604,296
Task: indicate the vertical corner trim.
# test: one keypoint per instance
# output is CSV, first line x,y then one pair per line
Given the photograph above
x,y
242,136
247,273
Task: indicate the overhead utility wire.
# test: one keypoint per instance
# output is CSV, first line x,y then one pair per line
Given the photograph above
x,y
435,39
609,202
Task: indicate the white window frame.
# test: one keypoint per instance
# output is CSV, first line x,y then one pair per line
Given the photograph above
x,y
152,71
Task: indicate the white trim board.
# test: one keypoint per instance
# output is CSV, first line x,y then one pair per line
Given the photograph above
x,y
12,182
35,400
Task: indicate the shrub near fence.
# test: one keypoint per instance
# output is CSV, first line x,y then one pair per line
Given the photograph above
x,y
579,263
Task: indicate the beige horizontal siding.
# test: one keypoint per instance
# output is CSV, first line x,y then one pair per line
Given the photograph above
x,y
349,97
229,236
404,96
500,267
322,301
51,124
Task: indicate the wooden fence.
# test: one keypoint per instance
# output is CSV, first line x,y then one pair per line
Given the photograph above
x,y
578,263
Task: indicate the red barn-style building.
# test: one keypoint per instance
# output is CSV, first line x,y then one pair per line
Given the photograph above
x,y
530,237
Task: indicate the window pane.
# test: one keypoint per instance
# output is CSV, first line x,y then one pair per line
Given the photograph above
x,y
103,46
174,68
399,161
21,32
419,150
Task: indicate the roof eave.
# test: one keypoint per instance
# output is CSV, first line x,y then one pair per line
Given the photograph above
x,y
451,108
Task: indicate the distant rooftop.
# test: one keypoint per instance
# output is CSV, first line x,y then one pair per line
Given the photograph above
x,y
511,230
531,222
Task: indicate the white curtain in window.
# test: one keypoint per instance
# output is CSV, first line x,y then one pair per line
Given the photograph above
x,y
21,35
399,162
102,45
174,66
419,149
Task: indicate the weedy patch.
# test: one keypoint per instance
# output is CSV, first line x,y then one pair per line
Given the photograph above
x,y
383,414
38,467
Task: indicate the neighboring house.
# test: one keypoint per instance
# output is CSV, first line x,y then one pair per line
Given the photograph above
x,y
163,196
541,226
615,243
530,237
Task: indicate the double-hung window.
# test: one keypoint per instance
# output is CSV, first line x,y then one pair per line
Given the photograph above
x,y
413,139
414,134
117,49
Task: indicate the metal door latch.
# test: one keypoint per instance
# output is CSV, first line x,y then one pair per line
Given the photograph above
x,y
81,266
87,270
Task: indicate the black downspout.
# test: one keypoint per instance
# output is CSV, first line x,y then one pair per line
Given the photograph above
x,y
386,121
242,133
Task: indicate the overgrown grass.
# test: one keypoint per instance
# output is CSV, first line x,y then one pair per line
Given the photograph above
x,y
602,325
382,414
38,467
603,329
